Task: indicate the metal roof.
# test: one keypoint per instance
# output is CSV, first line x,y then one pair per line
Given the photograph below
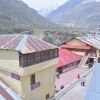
x,y
93,92
84,47
6,93
93,40
24,43
67,57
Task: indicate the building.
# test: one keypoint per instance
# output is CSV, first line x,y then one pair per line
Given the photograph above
x,y
67,60
98,30
27,66
88,47
93,91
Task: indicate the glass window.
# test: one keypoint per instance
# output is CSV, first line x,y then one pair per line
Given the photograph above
x,y
37,57
42,56
31,59
47,55
32,79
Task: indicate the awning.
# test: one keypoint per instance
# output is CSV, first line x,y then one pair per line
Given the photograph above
x,y
68,46
67,57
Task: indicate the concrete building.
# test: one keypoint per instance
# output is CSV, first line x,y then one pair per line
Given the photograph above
x,y
27,66
88,47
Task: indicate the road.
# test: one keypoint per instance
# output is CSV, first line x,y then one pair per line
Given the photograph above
x,y
78,92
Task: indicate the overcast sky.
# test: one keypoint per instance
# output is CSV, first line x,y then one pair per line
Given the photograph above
x,y
38,4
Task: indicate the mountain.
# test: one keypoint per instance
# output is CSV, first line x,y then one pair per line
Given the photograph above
x,y
80,13
46,11
15,15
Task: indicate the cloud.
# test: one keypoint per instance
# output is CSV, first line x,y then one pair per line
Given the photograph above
x,y
38,4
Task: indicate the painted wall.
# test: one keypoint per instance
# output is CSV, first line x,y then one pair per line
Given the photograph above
x,y
75,42
9,60
46,78
45,74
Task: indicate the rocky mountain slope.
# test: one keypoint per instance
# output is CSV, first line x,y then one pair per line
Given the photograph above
x,y
80,13
16,16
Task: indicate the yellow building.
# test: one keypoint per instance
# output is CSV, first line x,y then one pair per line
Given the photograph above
x,y
27,65
88,47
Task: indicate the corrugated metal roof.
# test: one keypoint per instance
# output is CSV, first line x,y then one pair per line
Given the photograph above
x,y
93,92
67,57
76,46
24,43
91,40
6,93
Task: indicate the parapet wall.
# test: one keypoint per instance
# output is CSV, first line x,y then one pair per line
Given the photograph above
x,y
69,87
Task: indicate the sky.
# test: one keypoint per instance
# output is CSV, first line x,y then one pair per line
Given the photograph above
x,y
40,4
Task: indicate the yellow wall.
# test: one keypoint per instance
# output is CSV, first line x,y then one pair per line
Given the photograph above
x,y
75,42
14,84
46,78
9,60
44,71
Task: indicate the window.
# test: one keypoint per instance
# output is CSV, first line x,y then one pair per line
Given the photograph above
x,y
30,59
23,60
52,54
47,55
56,53
26,59
32,79
42,56
33,58
37,57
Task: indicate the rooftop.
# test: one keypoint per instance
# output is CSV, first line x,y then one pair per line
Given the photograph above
x,y
24,43
93,40
67,57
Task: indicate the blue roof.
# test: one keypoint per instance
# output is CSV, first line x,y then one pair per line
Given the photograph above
x,y
93,92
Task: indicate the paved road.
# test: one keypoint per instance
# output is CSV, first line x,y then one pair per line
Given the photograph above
x,y
67,77
78,92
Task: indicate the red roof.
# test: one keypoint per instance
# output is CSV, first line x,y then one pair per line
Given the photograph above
x,y
24,43
67,57
76,46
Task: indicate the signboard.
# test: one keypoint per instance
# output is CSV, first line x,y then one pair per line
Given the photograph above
x,y
35,85
15,76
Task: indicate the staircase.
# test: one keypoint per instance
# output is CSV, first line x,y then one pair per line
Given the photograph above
x,y
83,60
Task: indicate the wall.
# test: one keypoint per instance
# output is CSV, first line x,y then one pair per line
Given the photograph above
x,y
13,83
46,77
9,60
45,73
79,53
76,42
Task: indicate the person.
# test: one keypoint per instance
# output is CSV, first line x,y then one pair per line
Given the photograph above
x,y
83,81
89,65
78,76
58,76
62,86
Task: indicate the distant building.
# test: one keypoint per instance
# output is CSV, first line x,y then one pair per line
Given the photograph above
x,y
98,30
67,60
27,66
85,46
